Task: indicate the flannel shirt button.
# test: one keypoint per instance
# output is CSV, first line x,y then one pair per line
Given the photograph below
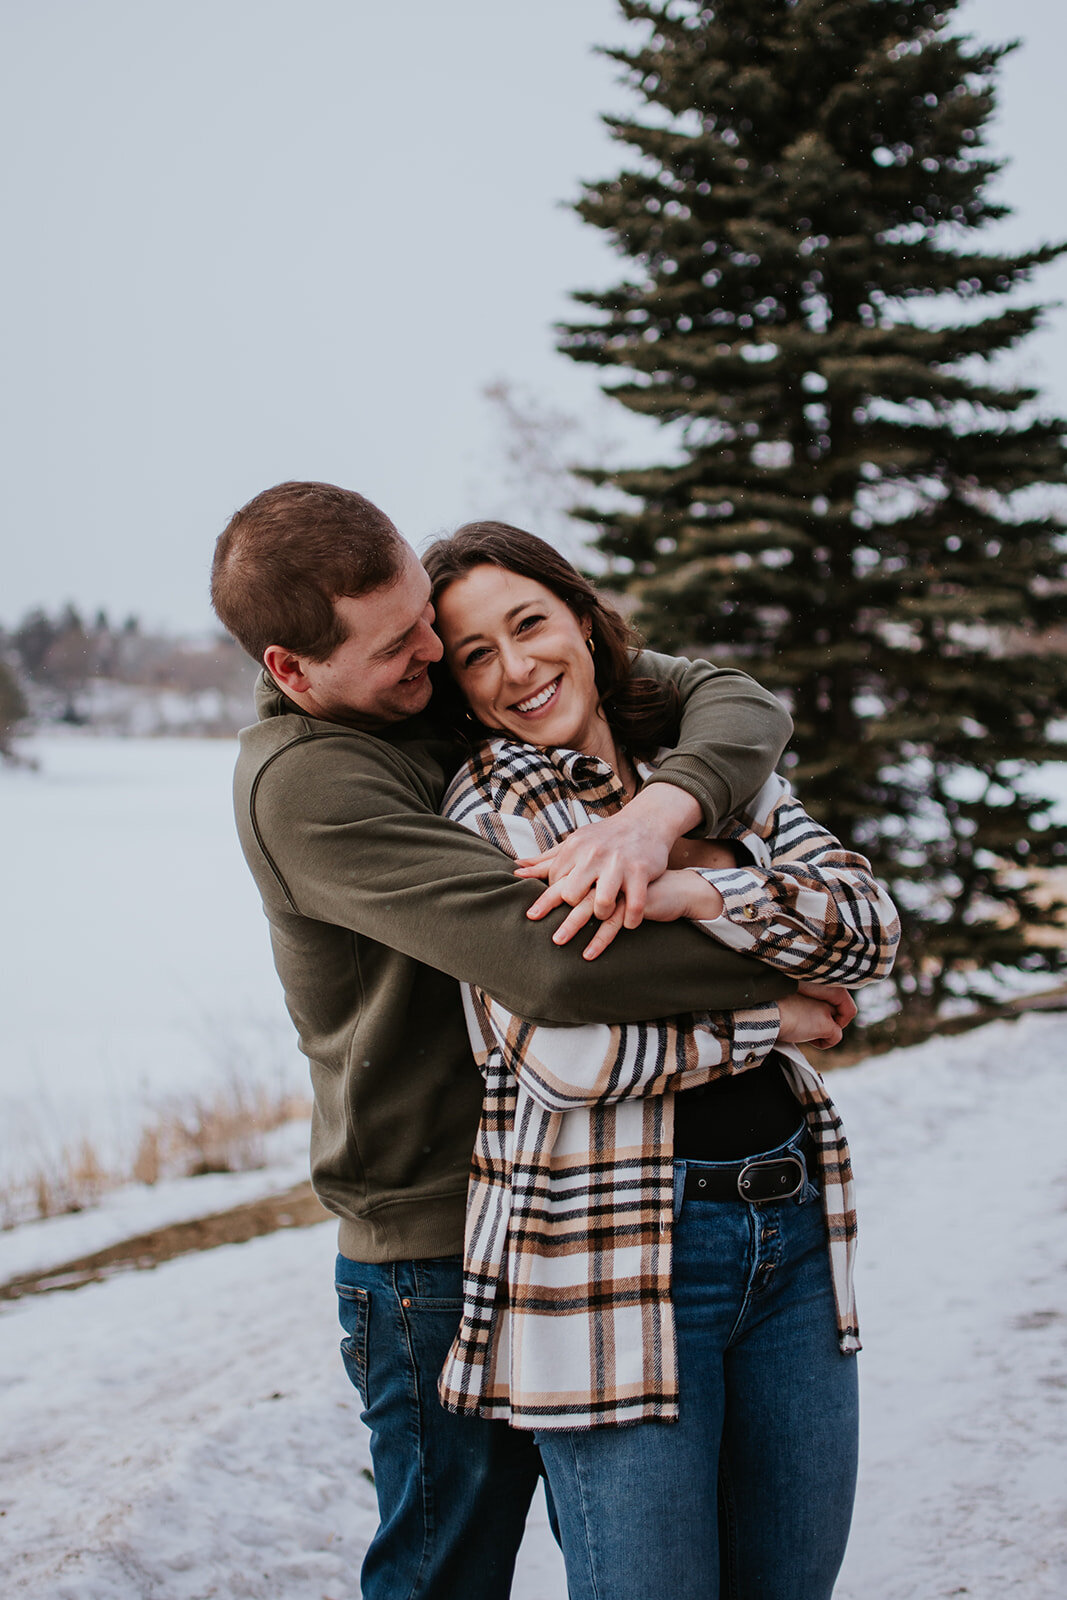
x,y
749,912
750,1059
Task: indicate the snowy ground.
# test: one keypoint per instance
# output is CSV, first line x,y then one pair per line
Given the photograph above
x,y
188,1433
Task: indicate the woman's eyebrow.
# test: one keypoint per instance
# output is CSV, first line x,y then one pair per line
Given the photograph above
x,y
470,637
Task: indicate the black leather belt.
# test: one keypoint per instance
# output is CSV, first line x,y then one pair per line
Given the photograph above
x,y
760,1182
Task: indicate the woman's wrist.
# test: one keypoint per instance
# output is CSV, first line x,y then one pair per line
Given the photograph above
x,y
706,902
679,893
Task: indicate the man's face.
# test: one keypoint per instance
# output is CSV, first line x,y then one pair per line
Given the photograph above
x,y
379,675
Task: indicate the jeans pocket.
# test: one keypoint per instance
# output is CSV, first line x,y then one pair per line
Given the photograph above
x,y
434,1283
353,1309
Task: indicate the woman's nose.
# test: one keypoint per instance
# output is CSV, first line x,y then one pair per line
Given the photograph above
x,y
517,663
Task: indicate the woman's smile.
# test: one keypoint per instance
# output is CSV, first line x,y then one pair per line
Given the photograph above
x,y
540,701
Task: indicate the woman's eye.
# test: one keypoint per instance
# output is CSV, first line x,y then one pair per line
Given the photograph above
x,y
527,622
475,656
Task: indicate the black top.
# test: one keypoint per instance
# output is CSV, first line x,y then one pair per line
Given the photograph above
x,y
737,1116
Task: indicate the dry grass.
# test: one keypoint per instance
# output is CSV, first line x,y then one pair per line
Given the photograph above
x,y
220,1131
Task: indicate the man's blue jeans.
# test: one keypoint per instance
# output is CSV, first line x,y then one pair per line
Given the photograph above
x,y
453,1492
748,1496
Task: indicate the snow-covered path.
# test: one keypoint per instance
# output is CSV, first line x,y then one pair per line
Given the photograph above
x,y
188,1433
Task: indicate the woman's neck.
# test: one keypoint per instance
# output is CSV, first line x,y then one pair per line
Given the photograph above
x,y
605,747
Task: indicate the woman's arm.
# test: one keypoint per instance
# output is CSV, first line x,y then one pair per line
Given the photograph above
x,y
562,1068
521,802
816,911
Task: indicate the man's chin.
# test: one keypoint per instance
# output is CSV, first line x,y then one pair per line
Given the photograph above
x,y
411,698
404,701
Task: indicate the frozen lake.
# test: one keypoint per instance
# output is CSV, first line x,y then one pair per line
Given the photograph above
x,y
135,956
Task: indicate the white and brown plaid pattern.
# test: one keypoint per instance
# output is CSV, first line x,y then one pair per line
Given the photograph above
x,y
567,1318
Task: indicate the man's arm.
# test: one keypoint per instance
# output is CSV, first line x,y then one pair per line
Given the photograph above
x,y
731,739
345,829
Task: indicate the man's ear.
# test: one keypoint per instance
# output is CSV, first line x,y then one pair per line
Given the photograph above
x,y
286,669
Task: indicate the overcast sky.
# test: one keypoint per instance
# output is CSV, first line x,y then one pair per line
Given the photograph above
x,y
248,240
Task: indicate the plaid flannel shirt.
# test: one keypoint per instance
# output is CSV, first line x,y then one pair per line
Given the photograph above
x,y
567,1319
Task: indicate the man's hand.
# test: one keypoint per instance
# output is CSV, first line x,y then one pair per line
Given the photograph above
x,y
613,860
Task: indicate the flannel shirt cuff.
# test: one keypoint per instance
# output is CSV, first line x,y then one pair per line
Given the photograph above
x,y
755,1032
747,911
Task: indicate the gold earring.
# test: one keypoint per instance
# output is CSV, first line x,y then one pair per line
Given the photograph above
x,y
592,644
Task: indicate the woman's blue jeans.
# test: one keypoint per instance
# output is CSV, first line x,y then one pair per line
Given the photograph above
x,y
748,1496
453,1492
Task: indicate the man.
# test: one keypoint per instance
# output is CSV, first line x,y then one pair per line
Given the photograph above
x,y
377,906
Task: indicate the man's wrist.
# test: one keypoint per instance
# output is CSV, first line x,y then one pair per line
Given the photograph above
x,y
702,783
669,809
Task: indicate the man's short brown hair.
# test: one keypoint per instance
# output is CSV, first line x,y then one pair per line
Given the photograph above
x,y
285,557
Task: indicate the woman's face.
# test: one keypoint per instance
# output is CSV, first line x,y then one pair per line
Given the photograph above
x,y
520,658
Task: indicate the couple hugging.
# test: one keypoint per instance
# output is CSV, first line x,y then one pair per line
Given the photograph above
x,y
620,1253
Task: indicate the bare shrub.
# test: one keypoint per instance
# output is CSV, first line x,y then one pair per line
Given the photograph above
x,y
221,1130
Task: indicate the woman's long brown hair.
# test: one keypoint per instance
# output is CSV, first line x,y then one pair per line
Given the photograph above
x,y
641,712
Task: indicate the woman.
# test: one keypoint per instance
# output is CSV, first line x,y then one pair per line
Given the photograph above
x,y
651,1189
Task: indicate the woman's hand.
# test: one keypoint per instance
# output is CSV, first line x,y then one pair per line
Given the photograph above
x,y
817,1014
807,1021
615,859
833,995
673,895
681,893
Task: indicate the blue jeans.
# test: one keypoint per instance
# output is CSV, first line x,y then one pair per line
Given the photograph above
x,y
453,1492
748,1496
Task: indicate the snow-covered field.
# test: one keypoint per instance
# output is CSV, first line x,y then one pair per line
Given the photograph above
x,y
188,1432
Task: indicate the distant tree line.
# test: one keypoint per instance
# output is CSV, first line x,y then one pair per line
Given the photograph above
x,y
64,666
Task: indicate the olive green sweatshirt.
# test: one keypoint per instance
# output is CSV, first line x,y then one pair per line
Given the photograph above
x,y
377,905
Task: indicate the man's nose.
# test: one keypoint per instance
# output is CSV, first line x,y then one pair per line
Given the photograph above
x,y
428,645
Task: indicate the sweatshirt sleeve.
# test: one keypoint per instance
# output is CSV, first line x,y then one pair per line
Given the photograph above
x,y
353,839
732,735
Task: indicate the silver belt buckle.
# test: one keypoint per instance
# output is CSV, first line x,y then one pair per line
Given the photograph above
x,y
762,1181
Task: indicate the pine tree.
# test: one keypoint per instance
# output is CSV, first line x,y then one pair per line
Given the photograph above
x,y
848,500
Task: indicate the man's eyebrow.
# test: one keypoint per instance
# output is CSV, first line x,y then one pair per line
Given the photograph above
x,y
459,644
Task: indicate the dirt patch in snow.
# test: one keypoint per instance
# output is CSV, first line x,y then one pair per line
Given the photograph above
x,y
296,1208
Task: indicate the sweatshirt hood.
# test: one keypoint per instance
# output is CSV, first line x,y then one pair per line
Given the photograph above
x,y
269,700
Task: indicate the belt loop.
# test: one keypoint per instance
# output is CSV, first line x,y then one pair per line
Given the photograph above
x,y
679,1188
